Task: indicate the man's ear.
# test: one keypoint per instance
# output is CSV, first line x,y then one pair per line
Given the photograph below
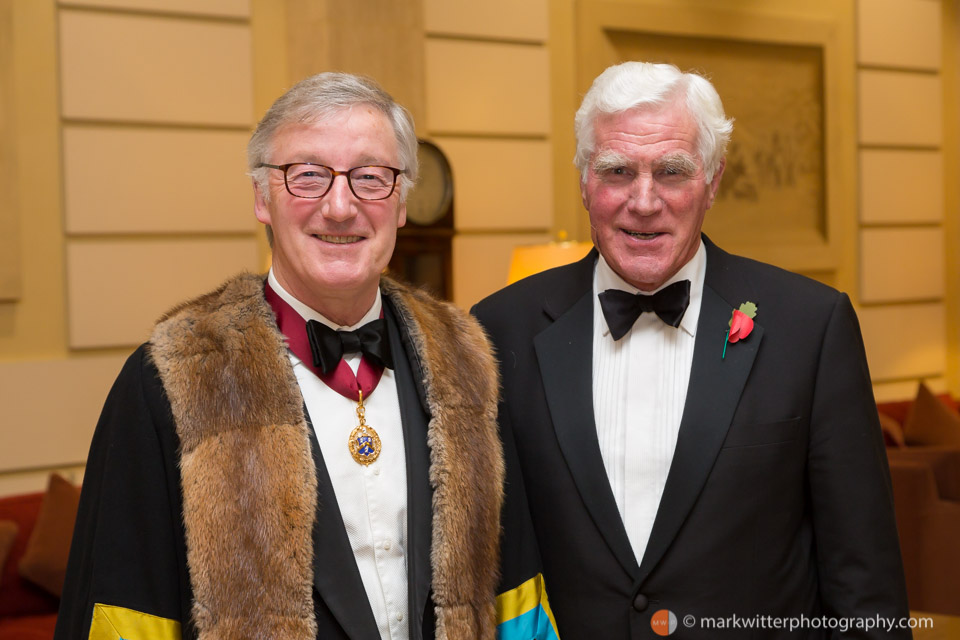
x,y
715,183
584,198
260,206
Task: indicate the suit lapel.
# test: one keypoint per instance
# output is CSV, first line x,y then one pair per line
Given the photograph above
x,y
335,574
565,354
414,419
712,398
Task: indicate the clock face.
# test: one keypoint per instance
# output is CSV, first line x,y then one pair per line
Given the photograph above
x,y
431,199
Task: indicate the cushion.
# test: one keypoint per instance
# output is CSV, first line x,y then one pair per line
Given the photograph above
x,y
28,627
8,533
18,597
45,561
931,421
892,431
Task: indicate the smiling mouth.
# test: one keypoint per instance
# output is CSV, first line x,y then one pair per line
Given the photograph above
x,y
339,239
642,236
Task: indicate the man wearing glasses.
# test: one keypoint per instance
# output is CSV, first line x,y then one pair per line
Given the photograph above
x,y
310,454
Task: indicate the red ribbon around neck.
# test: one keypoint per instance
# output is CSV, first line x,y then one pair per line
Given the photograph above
x,y
342,379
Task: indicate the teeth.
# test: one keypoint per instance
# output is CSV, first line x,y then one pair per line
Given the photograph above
x,y
646,236
340,239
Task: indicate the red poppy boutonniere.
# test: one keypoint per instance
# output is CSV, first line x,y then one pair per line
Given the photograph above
x,y
741,324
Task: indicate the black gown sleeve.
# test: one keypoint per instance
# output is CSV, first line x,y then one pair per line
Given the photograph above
x,y
127,558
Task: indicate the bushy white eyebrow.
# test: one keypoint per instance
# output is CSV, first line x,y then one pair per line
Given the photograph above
x,y
680,163
607,160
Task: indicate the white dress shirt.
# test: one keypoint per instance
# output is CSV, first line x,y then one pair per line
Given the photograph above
x,y
373,498
639,390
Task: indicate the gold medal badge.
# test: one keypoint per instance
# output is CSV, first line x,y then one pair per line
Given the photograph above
x,y
364,441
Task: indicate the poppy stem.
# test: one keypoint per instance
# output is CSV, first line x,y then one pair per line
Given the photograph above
x,y
725,339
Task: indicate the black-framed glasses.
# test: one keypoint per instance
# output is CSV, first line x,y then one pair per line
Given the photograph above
x,y
309,180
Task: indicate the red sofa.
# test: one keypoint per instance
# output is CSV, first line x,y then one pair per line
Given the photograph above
x,y
27,612
926,494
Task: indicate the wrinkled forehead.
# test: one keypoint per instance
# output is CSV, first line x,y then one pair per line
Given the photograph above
x,y
645,128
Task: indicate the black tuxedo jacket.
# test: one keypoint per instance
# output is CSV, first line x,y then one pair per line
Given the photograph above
x,y
778,499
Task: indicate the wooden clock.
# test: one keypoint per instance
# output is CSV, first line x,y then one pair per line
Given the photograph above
x,y
424,251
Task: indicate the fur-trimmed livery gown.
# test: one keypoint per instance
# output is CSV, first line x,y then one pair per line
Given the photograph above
x,y
207,511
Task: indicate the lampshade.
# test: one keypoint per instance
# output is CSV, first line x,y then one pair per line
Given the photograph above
x,y
527,260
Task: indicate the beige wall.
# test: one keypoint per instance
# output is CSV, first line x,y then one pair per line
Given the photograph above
x,y
488,107
903,217
131,121
117,102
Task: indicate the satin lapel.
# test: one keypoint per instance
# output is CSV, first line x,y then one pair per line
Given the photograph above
x,y
419,495
335,574
712,398
565,353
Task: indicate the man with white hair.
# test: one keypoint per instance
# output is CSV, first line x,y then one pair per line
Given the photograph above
x,y
309,454
697,431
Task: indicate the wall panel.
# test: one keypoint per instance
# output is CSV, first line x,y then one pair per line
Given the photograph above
x,y
528,19
221,8
379,38
10,267
41,433
149,69
902,264
481,263
902,187
904,341
117,289
151,180
899,33
469,88
500,184
898,108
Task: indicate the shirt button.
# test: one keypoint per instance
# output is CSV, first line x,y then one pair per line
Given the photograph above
x,y
376,471
386,545
399,617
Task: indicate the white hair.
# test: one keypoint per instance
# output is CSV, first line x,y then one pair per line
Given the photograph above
x,y
630,85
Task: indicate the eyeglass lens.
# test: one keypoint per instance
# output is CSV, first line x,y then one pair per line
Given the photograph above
x,y
313,181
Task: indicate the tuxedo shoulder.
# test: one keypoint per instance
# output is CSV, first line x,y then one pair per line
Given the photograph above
x,y
770,286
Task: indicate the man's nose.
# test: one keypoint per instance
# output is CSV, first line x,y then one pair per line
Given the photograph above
x,y
339,203
644,198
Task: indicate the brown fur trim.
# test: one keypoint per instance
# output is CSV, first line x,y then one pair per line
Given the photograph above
x,y
466,460
249,483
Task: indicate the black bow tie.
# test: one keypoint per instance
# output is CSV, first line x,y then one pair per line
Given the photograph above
x,y
327,346
621,309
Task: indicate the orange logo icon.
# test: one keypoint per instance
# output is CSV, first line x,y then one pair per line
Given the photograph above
x,y
663,622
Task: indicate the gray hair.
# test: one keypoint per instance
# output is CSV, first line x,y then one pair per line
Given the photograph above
x,y
322,96
629,85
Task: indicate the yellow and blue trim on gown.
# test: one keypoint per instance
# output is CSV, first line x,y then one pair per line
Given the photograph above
x,y
119,623
523,613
